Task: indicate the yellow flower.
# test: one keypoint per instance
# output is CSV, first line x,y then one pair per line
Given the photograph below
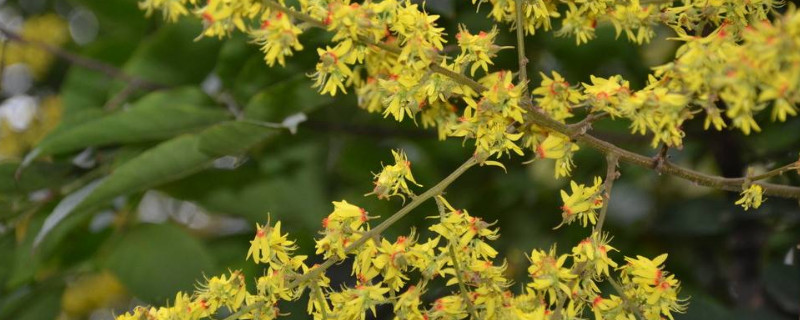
x,y
407,305
656,290
549,274
477,50
420,38
448,307
577,24
393,262
269,246
222,291
352,303
559,147
605,94
393,179
171,9
557,97
752,196
341,228
332,70
594,252
277,37
583,203
402,95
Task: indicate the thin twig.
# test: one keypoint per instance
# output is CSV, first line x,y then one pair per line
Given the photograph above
x,y
611,174
454,259
542,120
728,184
583,126
122,95
523,59
323,304
777,171
87,63
367,236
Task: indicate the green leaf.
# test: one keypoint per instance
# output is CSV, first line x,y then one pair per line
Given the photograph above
x,y
168,161
156,261
83,90
38,176
173,57
285,98
229,138
782,282
156,116
266,184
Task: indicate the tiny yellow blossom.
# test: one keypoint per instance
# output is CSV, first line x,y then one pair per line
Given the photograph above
x,y
549,274
594,252
559,147
752,196
332,69
277,37
583,203
393,179
270,246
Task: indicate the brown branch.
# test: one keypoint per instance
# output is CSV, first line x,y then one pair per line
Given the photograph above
x,y
81,61
612,160
541,119
523,59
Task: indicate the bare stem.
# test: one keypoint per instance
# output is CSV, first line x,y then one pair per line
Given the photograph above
x,y
323,304
523,59
433,191
611,174
777,171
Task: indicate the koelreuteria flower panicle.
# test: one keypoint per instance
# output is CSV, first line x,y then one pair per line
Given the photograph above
x,y
391,54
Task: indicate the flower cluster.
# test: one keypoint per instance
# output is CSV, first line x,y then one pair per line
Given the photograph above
x,y
390,53
752,196
384,50
645,281
399,272
746,70
583,203
635,18
341,228
393,179
277,37
554,146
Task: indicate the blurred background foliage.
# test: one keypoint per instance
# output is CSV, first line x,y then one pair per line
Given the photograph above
x,y
132,190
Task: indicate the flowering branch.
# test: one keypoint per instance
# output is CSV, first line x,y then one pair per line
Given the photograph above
x,y
541,119
369,235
